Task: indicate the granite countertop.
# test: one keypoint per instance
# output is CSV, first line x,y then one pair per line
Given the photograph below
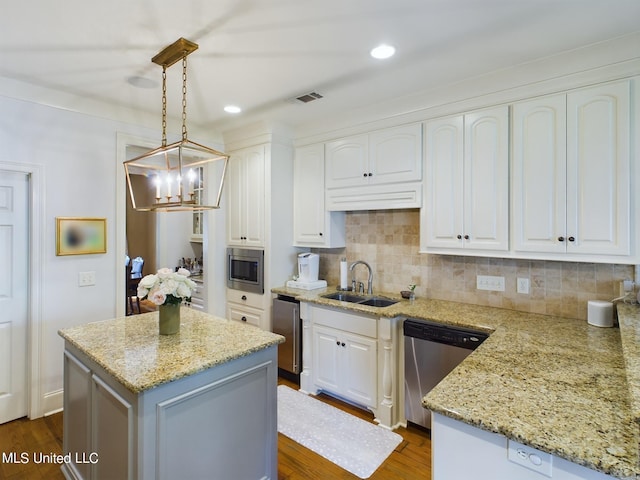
x,y
559,385
131,349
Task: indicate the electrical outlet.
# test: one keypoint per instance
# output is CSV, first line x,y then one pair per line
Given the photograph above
x,y
488,282
530,458
86,279
522,286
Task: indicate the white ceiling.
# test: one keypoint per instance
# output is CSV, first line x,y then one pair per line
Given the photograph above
x,y
259,54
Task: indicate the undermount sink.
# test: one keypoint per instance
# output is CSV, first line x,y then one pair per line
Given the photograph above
x,y
361,300
378,302
344,297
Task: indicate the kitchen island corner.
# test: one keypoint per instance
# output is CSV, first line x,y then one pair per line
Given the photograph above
x,y
142,405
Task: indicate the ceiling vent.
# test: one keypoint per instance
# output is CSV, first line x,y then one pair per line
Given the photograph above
x,y
309,97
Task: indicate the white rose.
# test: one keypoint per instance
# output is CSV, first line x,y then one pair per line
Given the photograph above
x,y
142,292
183,291
148,281
165,273
184,272
169,286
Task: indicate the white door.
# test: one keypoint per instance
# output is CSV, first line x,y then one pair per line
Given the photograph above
x,y
13,294
486,179
347,162
539,174
598,170
309,214
441,221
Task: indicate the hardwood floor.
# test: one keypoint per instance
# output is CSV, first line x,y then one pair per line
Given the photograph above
x,y
410,460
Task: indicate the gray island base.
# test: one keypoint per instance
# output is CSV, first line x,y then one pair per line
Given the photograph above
x,y
198,404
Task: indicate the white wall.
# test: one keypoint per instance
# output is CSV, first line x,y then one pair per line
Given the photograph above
x,y
77,155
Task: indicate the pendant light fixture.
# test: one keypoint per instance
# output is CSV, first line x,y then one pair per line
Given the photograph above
x,y
172,176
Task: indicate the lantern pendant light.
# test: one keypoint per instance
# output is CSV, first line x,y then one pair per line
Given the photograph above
x,y
171,177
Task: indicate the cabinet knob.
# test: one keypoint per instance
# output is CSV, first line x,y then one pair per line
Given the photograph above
x,y
466,237
320,233
561,239
244,319
342,344
571,239
459,237
338,342
244,297
365,174
370,174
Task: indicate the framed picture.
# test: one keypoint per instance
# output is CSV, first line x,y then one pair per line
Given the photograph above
x,y
81,236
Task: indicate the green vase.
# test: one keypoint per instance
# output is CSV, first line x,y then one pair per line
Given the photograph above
x,y
169,318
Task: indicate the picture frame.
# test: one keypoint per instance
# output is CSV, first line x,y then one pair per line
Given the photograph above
x,y
81,236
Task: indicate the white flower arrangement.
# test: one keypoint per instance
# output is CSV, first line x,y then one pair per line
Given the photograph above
x,y
167,287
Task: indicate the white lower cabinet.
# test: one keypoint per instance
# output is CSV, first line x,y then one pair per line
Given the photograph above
x,y
345,364
245,307
186,428
354,356
486,457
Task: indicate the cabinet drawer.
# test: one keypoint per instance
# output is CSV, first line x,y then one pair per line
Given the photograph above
x,y
245,298
243,314
348,322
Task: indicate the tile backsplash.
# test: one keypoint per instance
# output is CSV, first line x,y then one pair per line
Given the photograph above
x,y
389,240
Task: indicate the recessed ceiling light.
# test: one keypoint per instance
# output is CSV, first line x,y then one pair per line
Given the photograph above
x,y
142,82
232,109
383,51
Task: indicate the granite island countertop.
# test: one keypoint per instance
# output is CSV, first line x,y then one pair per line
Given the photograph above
x,y
134,353
559,385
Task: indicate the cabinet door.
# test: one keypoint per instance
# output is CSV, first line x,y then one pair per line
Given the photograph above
x,y
313,225
395,154
486,179
598,170
246,178
539,174
347,162
360,369
326,354
234,188
77,398
441,221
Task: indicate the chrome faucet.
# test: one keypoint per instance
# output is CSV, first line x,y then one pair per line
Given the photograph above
x,y
353,277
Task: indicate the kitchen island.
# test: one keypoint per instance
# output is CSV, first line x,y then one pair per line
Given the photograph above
x,y
557,385
197,404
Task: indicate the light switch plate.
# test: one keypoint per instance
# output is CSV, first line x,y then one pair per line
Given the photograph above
x,y
86,279
530,458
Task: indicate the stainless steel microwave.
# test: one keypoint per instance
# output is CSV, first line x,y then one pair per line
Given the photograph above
x,y
245,269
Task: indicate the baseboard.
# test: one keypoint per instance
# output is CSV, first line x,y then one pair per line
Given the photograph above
x,y
52,402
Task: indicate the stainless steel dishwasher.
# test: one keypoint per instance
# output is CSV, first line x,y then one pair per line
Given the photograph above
x,y
286,322
431,352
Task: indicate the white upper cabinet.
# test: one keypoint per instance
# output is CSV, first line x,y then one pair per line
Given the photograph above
x,y
466,187
313,225
539,174
379,170
246,197
571,172
347,162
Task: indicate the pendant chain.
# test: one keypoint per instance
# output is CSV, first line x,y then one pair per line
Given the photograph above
x,y
164,106
184,97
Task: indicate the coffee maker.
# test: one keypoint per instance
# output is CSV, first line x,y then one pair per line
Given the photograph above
x,y
308,266
308,269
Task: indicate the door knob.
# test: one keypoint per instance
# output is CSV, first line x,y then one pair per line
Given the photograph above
x,y
561,239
